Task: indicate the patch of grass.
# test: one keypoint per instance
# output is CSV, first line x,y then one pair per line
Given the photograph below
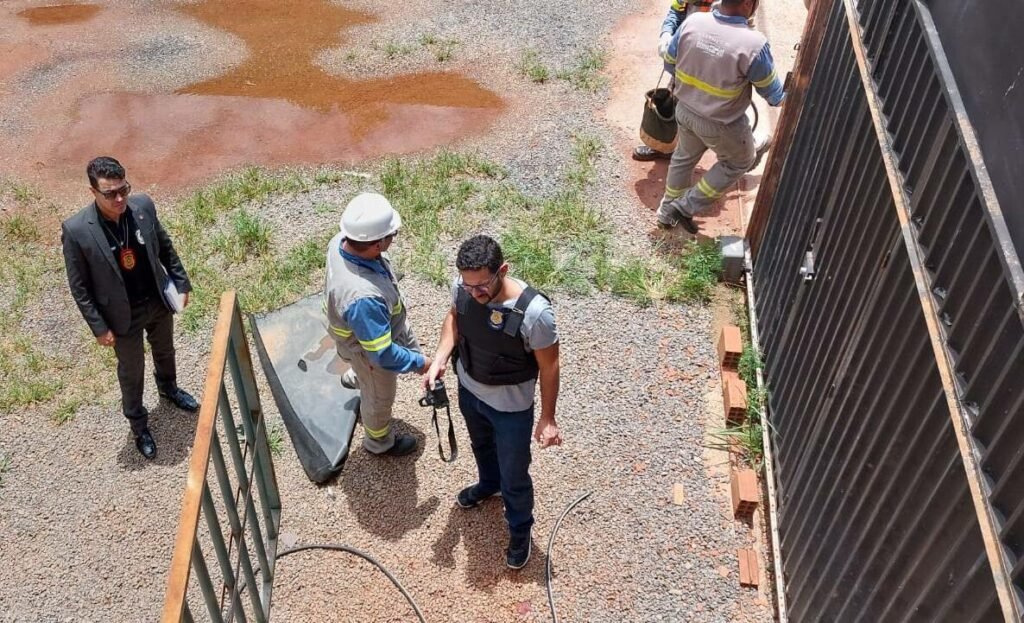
x,y
19,228
5,466
701,266
321,207
351,56
530,66
445,51
748,439
428,39
393,49
23,194
66,411
251,233
275,280
585,74
275,438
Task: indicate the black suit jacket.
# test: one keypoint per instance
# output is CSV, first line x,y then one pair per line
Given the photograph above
x,y
93,274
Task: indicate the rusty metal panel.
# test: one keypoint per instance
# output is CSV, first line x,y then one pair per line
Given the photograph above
x,y
876,516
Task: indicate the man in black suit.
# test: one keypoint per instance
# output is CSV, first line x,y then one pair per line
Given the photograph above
x,y
119,259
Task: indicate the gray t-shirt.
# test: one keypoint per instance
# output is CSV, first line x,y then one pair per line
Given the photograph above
x,y
538,331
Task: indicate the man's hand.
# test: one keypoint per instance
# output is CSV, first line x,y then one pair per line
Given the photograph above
x,y
185,303
663,42
434,372
427,363
107,339
547,433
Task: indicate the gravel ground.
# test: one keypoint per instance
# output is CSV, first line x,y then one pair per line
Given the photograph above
x,y
88,526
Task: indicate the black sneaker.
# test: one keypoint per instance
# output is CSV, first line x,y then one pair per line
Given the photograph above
x,y
518,552
471,497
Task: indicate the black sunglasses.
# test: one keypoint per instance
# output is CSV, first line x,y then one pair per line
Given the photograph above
x,y
123,191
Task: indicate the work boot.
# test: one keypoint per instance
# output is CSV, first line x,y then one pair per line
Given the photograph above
x,y
404,444
761,147
349,379
669,215
471,497
643,153
518,552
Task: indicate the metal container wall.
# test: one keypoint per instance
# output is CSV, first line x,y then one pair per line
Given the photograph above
x,y
876,514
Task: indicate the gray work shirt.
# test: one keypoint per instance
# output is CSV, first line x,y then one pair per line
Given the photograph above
x,y
538,331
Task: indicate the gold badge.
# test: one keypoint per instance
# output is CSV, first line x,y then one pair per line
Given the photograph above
x,y
497,319
127,257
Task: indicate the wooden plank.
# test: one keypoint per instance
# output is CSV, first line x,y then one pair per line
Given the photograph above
x,y
792,109
177,579
998,564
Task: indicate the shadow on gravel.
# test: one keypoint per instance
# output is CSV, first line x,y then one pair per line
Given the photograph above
x,y
173,430
483,533
381,490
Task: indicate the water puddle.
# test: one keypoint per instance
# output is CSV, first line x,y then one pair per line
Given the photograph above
x,y
59,14
278,107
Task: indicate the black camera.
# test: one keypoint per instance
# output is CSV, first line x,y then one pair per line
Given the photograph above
x,y
437,397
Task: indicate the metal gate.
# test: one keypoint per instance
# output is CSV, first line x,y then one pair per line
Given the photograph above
x,y
889,305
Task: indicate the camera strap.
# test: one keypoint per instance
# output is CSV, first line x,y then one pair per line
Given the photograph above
x,y
451,436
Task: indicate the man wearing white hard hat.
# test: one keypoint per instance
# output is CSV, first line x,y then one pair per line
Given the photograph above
x,y
366,318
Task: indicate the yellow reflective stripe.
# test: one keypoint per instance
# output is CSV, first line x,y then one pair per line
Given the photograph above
x,y
699,84
378,344
397,309
668,58
767,81
377,434
341,332
678,6
673,193
708,191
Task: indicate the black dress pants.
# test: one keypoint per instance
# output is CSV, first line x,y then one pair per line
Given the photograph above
x,y
157,322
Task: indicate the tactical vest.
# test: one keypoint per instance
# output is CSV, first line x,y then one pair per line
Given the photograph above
x,y
490,344
347,282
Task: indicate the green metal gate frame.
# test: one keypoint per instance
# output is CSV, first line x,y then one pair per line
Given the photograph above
x,y
244,494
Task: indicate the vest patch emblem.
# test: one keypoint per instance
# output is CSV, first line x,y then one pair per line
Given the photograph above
x,y
138,236
496,319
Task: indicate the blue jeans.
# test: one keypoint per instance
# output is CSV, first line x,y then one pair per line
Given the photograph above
x,y
501,446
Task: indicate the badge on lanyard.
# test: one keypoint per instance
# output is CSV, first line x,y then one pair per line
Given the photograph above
x,y
496,320
127,258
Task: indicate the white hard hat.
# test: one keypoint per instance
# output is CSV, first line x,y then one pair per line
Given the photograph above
x,y
369,217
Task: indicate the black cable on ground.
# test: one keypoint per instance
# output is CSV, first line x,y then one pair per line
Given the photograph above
x,y
551,542
337,547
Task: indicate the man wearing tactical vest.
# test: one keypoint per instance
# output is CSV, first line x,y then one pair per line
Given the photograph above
x,y
366,317
504,336
716,59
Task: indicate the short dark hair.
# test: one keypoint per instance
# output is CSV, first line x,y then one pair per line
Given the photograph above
x,y
479,252
104,166
732,3
360,245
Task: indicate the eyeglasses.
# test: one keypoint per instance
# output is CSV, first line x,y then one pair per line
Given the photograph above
x,y
122,191
482,288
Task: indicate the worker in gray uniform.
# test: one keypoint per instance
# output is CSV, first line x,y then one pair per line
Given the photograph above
x,y
366,317
717,59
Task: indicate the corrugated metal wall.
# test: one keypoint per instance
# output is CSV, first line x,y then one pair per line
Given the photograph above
x,y
909,327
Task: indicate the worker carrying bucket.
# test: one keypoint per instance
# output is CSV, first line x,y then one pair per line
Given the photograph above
x,y
712,101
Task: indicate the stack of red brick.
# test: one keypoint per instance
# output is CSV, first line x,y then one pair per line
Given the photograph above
x,y
745,491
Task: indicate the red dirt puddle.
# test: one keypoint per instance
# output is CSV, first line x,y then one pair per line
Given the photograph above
x,y
277,108
59,14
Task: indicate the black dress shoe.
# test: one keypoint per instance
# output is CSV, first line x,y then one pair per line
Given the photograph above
x,y
144,442
181,399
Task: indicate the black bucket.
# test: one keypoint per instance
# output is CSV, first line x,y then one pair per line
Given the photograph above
x,y
658,126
